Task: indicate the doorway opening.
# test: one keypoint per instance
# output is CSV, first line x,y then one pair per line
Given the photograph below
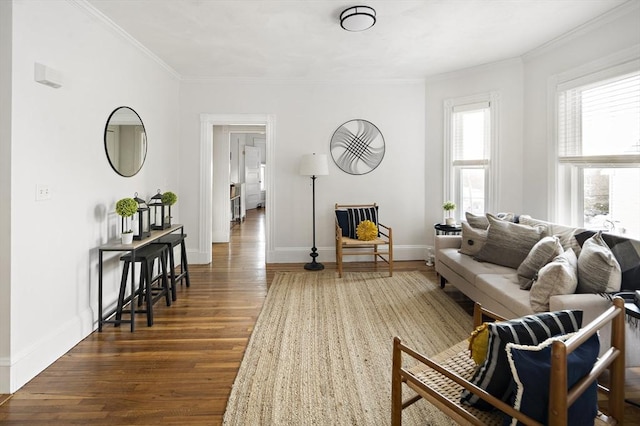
x,y
215,175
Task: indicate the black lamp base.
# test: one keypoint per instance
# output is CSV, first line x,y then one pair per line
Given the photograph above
x,y
313,266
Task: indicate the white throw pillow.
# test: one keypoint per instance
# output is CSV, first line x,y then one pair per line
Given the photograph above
x,y
558,277
598,269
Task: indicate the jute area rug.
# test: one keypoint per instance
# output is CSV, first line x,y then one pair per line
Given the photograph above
x,y
320,353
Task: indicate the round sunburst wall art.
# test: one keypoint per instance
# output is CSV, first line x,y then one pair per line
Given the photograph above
x,y
357,147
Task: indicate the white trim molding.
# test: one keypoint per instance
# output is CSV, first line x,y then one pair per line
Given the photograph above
x,y
205,209
90,10
493,98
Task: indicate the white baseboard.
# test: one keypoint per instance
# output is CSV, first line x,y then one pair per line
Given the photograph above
x,y
198,258
328,254
24,366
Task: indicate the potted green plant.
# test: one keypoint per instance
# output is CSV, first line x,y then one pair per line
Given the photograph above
x,y
448,207
126,208
169,199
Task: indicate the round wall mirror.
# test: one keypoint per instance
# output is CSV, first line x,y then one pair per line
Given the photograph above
x,y
125,141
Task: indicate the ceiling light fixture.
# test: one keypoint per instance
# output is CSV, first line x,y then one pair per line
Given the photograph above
x,y
358,18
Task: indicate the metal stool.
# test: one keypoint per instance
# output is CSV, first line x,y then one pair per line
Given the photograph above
x,y
146,256
171,241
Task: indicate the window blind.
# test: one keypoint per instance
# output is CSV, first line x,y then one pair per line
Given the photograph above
x,y
600,121
471,133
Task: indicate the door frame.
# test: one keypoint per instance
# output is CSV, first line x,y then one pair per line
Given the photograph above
x,y
205,213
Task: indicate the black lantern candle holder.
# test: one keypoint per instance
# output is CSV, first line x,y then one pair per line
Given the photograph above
x,y
143,220
160,212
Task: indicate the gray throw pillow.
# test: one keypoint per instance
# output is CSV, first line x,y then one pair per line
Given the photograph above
x,y
508,244
481,222
542,253
598,269
566,234
476,221
557,277
472,239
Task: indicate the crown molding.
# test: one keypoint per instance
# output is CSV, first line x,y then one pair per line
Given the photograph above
x,y
624,9
91,11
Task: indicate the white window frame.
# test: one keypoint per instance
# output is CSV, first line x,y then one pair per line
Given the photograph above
x,y
451,178
618,64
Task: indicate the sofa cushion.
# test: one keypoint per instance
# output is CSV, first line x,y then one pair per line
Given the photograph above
x,y
558,277
494,375
598,269
531,370
626,252
466,267
472,239
505,289
508,244
542,253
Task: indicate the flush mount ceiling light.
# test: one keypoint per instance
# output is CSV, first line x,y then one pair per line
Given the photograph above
x,y
358,18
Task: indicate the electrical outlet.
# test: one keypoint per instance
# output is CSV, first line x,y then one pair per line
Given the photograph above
x,y
42,192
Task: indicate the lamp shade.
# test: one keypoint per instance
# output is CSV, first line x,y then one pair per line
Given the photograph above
x,y
314,165
358,18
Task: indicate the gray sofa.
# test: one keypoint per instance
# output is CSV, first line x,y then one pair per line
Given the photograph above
x,y
497,287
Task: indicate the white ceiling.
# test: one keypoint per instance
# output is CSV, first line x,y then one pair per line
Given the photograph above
x,y
302,39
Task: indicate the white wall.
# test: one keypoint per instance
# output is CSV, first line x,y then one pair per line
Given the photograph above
x,y
57,139
306,115
613,33
505,78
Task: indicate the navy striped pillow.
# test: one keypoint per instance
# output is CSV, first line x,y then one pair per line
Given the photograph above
x,y
358,215
494,374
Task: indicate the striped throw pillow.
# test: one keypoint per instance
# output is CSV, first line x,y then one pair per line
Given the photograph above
x,y
494,375
358,215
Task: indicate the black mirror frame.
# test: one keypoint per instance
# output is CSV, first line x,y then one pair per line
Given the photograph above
x,y
106,150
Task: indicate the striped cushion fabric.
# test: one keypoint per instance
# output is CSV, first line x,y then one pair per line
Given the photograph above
x,y
545,250
508,244
494,374
626,252
598,269
358,215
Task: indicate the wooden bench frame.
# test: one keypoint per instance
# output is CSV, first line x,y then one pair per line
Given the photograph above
x,y
559,401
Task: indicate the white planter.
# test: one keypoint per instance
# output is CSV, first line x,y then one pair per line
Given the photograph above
x,y
450,221
127,238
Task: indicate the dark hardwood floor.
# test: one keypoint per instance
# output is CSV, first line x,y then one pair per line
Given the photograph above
x,y
180,371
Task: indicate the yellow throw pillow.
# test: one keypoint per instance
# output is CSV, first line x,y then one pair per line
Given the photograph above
x,y
366,231
478,343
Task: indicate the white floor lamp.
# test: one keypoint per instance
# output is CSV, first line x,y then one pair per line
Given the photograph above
x,y
314,165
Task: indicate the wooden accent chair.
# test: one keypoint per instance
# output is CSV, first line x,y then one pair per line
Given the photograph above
x,y
440,379
380,247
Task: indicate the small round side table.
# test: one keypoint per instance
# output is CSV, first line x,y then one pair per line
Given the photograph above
x,y
442,229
